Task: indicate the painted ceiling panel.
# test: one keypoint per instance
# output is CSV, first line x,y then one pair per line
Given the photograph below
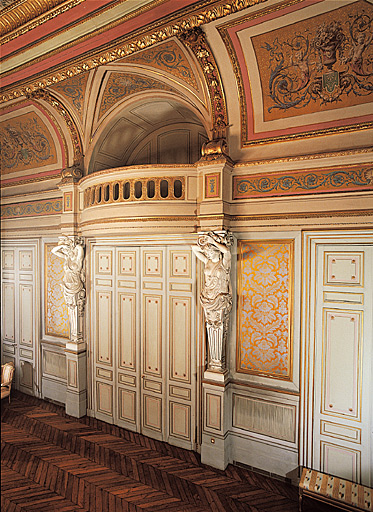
x,y
26,143
167,57
73,90
122,85
303,70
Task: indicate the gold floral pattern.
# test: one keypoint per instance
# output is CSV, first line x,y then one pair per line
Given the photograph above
x,y
264,323
56,314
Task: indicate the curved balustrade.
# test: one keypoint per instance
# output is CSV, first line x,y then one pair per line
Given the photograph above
x,y
136,189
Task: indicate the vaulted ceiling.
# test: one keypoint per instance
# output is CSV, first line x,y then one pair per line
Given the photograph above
x,y
287,77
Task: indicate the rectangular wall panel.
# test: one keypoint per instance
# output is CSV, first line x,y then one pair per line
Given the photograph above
x,y
344,268
8,302
127,330
341,461
54,364
26,313
264,417
213,411
341,350
265,309
26,377
8,259
179,420
25,260
103,327
180,321
152,413
127,405
104,398
152,326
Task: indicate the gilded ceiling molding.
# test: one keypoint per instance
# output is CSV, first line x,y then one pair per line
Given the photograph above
x,y
194,16
195,39
28,14
300,158
41,94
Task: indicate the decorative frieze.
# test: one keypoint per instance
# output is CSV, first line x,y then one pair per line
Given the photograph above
x,y
335,179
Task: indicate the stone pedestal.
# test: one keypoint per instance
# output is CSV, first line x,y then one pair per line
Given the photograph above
x,y
76,391
215,448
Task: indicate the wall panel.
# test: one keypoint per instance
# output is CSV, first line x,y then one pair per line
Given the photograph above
x,y
265,308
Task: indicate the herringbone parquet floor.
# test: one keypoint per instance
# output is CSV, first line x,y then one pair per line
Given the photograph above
x,y
53,462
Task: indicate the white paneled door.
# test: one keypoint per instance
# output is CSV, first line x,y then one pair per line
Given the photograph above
x,y
143,332
19,312
340,380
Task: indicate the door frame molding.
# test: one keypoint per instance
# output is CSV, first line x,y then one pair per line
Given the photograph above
x,y
310,242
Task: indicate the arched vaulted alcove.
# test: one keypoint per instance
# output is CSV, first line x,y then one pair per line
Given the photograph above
x,y
151,130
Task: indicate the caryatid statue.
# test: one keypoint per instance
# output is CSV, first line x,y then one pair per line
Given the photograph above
x,y
213,250
71,249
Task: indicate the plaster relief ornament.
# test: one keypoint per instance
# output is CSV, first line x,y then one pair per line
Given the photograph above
x,y
213,250
71,249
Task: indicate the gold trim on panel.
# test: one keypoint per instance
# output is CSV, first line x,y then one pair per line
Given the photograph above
x,y
158,401
103,373
358,322
324,444
173,255
172,414
47,249
123,331
121,409
357,431
291,244
157,331
109,411
174,341
334,254
99,358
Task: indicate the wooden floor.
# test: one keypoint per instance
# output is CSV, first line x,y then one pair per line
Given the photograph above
x,y
53,462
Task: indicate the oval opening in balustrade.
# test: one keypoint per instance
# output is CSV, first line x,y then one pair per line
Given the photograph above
x,y
106,193
99,194
126,190
164,188
138,189
116,192
150,189
178,188
93,196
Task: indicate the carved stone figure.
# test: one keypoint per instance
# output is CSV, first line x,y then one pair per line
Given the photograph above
x,y
71,249
213,250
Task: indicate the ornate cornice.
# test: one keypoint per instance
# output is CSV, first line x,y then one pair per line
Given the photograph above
x,y
24,15
174,25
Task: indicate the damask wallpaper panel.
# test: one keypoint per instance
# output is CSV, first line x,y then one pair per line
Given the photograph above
x,y
56,314
265,305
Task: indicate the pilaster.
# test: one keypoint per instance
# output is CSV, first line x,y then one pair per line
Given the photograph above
x,y
215,192
71,248
215,448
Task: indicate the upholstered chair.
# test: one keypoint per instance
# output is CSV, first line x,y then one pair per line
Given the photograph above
x,y
7,372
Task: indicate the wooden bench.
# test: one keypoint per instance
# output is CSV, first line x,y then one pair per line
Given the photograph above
x,y
338,492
